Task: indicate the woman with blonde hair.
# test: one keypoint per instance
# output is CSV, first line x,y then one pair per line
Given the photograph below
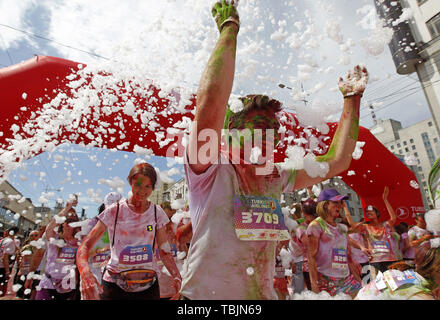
x,y
330,265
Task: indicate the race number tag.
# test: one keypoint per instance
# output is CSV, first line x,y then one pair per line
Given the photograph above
x,y
99,258
381,247
259,218
66,255
339,259
136,257
173,248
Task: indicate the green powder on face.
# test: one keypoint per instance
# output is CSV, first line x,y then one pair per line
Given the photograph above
x,y
139,182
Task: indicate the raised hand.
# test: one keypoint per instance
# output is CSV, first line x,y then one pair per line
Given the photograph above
x,y
225,12
386,192
355,82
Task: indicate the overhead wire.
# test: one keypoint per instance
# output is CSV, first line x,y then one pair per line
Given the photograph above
x,y
54,41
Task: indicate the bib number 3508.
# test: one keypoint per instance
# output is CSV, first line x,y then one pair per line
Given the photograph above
x,y
267,217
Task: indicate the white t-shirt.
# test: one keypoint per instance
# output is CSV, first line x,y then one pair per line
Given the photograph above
x,y
97,261
7,246
60,261
134,237
219,266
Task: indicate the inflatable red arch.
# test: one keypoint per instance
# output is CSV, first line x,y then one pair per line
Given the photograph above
x,y
28,86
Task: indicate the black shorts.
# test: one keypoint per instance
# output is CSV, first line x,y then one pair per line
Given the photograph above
x,y
111,291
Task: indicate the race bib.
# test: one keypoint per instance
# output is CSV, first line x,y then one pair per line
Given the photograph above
x,y
173,252
99,258
136,257
259,218
381,247
339,259
66,255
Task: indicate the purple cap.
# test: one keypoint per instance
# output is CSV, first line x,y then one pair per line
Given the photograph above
x,y
331,195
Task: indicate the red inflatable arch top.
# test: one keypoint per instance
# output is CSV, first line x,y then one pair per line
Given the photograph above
x,y
28,86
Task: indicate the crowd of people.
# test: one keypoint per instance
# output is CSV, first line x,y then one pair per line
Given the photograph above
x,y
237,242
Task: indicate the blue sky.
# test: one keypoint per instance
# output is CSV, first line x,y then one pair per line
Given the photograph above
x,y
185,35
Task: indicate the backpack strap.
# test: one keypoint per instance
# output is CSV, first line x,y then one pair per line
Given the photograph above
x,y
116,220
155,228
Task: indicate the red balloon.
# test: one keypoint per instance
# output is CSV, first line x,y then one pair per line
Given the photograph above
x,y
27,88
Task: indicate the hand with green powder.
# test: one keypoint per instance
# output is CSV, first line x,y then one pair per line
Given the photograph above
x,y
355,83
226,12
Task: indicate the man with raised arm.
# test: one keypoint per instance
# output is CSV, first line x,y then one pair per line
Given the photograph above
x,y
235,210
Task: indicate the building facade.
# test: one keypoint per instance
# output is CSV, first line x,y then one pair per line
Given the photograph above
x,y
419,144
157,196
415,45
16,210
425,26
177,191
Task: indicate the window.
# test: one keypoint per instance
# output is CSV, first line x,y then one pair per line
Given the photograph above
x,y
398,145
419,168
434,26
435,140
400,151
404,143
413,147
392,147
416,154
411,140
428,148
406,149
430,123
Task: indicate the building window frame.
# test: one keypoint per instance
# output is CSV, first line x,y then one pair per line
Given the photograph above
x,y
433,26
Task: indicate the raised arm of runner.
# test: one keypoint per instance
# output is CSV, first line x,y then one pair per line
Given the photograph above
x,y
214,88
390,209
339,154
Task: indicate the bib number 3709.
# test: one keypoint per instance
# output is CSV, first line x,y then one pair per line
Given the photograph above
x,y
257,217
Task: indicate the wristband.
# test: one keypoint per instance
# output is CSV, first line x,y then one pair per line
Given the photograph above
x,y
230,19
352,94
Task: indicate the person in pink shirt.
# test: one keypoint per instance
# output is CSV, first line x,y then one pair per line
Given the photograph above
x,y
135,227
379,235
329,249
60,280
234,192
